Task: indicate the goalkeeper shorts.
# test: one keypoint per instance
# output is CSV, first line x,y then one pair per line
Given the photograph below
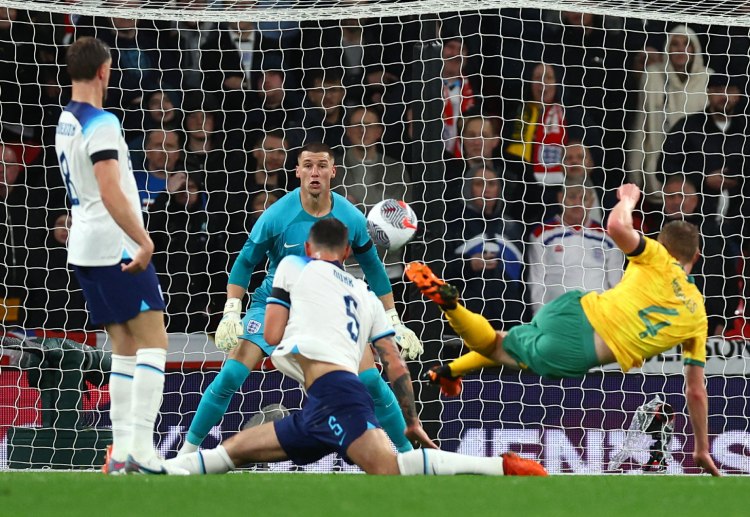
x,y
338,410
252,326
559,341
113,296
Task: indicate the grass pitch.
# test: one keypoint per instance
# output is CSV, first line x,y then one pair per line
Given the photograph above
x,y
302,495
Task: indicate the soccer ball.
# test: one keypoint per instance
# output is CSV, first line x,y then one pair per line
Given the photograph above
x,y
391,224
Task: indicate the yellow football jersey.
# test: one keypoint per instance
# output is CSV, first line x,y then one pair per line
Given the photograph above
x,y
654,307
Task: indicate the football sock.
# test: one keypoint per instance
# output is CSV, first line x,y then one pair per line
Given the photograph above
x,y
387,410
215,401
148,386
213,461
121,404
470,362
434,462
474,328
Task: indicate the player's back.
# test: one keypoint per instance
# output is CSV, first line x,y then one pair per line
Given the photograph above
x,y
654,308
86,134
332,315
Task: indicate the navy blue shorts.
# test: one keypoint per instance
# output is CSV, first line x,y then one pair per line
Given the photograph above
x,y
113,296
338,411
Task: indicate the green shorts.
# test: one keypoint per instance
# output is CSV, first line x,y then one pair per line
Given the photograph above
x,y
559,341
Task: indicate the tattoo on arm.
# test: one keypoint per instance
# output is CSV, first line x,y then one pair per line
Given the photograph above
x,y
399,376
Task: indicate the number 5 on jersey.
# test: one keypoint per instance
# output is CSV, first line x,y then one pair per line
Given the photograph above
x,y
353,325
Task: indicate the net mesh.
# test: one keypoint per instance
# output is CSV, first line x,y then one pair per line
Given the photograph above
x,y
477,115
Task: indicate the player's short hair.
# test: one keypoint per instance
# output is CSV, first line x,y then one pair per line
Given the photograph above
x,y
329,233
315,147
85,56
681,240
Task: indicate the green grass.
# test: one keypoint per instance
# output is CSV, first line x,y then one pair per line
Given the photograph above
x,y
303,495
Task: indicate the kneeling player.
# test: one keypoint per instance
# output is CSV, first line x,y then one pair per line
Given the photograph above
x,y
654,308
323,351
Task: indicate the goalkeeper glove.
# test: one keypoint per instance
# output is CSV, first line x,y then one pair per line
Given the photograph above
x,y
230,326
410,344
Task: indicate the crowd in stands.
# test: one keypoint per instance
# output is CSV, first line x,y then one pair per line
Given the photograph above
x,y
544,114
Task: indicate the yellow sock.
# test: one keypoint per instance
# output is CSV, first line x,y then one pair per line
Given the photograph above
x,y
470,362
474,328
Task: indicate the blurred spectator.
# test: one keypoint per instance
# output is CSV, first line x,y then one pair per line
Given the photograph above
x,y
671,91
15,230
716,272
571,251
485,250
367,176
206,148
136,67
279,108
18,82
480,143
324,109
158,113
710,149
535,139
457,92
163,155
579,167
594,77
55,300
266,176
188,260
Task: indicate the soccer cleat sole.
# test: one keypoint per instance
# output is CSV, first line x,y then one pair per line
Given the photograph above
x,y
430,285
449,386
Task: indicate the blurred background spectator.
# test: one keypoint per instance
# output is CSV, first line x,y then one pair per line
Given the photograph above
x,y
571,251
485,256
163,155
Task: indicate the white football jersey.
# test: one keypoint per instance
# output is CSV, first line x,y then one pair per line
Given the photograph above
x,y
332,315
85,135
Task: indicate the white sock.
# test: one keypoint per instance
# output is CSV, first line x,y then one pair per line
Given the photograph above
x,y
434,462
187,448
120,405
148,386
212,461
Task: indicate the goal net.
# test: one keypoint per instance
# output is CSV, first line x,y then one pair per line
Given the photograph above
x,y
507,125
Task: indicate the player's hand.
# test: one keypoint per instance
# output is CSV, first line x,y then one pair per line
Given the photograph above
x,y
141,260
230,326
416,435
411,346
704,460
629,192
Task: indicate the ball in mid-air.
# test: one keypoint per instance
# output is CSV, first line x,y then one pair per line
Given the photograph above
x,y
391,224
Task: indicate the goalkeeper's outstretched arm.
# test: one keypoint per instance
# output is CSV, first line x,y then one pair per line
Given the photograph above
x,y
697,402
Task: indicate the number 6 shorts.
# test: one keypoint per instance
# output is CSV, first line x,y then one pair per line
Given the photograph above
x,y
559,341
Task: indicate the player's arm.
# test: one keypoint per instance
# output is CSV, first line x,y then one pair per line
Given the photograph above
x,y
277,317
378,281
280,301
230,327
107,173
697,402
398,375
620,223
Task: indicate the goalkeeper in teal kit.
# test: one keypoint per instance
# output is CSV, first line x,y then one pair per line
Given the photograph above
x,y
280,231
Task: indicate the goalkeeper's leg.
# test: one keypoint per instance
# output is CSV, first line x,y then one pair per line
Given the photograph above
x,y
387,410
216,398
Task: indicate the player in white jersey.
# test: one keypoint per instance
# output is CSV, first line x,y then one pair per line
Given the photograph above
x,y
110,253
322,319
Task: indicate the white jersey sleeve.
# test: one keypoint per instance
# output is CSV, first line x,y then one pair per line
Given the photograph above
x,y
381,324
287,274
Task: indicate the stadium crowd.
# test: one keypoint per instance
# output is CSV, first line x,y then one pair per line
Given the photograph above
x,y
545,115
